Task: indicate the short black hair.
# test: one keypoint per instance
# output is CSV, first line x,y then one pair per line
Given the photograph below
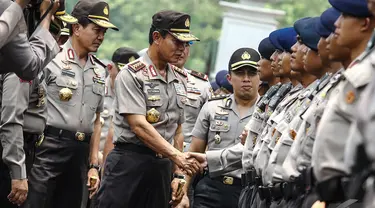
x,y
153,29
84,21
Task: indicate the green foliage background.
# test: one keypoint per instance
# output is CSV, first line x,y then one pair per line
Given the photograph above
x,y
133,17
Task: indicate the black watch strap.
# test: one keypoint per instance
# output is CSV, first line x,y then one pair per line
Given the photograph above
x,y
179,176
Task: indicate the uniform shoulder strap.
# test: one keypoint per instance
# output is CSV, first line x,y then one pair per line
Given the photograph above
x,y
98,61
199,75
136,66
178,70
218,97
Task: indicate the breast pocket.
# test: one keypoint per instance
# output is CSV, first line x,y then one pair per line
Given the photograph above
x,y
97,93
65,90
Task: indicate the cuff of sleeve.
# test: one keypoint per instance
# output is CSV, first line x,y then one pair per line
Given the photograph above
x,y
213,162
18,171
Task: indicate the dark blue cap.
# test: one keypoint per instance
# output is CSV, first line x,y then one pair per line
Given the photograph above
x,y
326,25
283,39
214,86
357,8
222,81
266,49
305,28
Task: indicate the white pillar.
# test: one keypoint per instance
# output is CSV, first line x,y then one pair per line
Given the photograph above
x,y
245,24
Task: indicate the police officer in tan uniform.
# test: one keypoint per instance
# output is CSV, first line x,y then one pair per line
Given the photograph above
x,y
219,125
22,124
198,92
328,163
75,89
149,112
120,58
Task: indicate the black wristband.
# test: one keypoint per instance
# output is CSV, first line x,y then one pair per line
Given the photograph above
x,y
179,176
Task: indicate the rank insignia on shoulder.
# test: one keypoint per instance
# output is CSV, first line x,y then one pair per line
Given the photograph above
x,y
136,66
178,70
199,75
218,97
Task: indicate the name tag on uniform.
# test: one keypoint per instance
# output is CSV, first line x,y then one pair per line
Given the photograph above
x,y
68,73
221,117
153,91
180,89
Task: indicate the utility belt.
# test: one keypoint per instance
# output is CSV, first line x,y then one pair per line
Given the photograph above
x,y
137,149
250,178
33,138
303,184
79,136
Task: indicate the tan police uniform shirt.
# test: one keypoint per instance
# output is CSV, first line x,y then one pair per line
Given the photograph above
x,y
261,150
141,90
333,128
108,111
219,123
75,92
299,156
23,109
198,92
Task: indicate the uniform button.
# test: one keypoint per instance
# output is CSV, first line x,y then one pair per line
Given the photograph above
x,y
241,121
83,103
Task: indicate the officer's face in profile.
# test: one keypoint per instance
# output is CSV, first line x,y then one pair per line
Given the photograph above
x,y
285,64
336,52
182,60
349,30
322,50
245,82
90,37
274,63
313,63
296,60
171,49
265,71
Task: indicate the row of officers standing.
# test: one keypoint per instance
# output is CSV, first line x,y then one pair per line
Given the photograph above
x,y
309,137
305,143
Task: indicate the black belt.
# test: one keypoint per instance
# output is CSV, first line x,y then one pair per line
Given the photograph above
x,y
228,180
137,149
80,136
248,178
331,190
276,191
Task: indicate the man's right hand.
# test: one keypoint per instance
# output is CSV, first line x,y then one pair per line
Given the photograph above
x,y
19,191
23,3
189,165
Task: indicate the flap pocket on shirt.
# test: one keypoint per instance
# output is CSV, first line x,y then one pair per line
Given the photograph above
x,y
219,126
68,82
98,88
192,101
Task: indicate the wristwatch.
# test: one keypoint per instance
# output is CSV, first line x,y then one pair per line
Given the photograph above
x,y
97,167
179,176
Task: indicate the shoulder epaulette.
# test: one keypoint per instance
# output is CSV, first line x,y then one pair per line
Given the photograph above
x,y
96,60
178,70
199,75
136,65
218,97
